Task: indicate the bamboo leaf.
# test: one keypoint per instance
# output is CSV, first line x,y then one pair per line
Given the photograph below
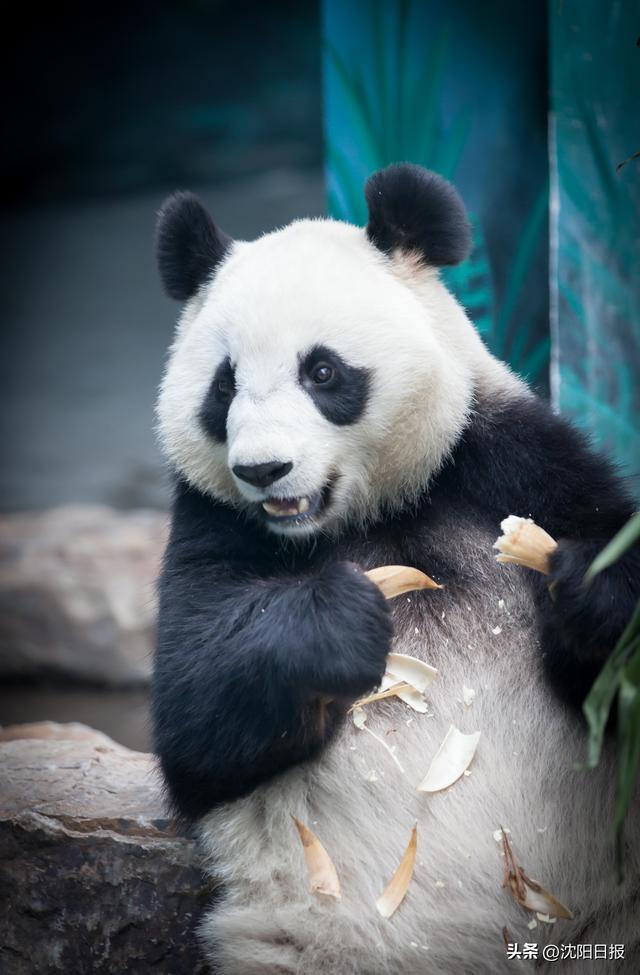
x,y
618,545
597,704
628,747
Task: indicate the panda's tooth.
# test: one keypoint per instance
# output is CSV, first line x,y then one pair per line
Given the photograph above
x,y
280,509
271,509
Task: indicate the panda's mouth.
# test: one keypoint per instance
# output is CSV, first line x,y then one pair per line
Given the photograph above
x,y
296,510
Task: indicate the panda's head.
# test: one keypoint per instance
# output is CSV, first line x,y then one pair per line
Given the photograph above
x,y
323,372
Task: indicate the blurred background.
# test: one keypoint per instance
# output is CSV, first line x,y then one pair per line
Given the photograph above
x,y
270,111
112,109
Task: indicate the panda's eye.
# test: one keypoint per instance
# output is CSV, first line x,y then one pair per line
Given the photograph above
x,y
224,389
322,373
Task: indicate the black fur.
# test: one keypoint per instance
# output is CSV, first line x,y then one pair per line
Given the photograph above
x,y
254,634
189,246
580,622
214,410
343,400
255,661
414,209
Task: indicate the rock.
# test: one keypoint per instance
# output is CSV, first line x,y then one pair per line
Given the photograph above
x,y
95,877
51,730
77,592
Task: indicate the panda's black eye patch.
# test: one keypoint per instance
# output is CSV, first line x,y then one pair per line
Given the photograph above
x,y
214,410
224,389
340,391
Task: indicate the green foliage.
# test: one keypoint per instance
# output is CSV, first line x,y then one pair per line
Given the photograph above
x,y
619,677
625,538
597,705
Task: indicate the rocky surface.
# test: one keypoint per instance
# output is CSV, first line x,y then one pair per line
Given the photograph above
x,y
77,592
94,875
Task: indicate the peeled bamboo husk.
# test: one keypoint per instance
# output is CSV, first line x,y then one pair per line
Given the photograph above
x,y
524,543
393,580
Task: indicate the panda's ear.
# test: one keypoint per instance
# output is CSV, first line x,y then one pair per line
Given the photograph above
x,y
413,209
188,245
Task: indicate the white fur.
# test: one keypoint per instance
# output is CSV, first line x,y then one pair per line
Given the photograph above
x,y
319,281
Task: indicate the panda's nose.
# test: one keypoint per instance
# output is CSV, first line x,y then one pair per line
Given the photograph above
x,y
262,475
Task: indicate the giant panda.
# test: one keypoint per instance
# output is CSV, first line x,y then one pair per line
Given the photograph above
x,y
328,407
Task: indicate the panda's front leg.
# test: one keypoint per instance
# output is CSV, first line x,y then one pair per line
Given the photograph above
x,y
582,621
254,674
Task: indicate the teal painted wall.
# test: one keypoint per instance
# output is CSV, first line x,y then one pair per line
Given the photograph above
x,y
595,221
507,103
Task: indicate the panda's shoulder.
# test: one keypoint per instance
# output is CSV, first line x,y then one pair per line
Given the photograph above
x,y
524,425
518,453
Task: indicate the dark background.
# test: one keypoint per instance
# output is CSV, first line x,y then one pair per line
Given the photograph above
x,y
110,108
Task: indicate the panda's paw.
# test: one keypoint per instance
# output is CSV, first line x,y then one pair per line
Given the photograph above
x,y
359,631
567,585
590,614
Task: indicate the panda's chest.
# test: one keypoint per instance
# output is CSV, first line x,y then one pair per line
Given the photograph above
x,y
360,794
482,609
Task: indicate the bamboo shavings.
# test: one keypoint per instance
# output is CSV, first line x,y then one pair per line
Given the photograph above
x,y
545,918
359,718
393,690
395,891
407,678
414,673
393,580
524,543
413,698
360,721
527,892
468,696
323,878
410,669
450,761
